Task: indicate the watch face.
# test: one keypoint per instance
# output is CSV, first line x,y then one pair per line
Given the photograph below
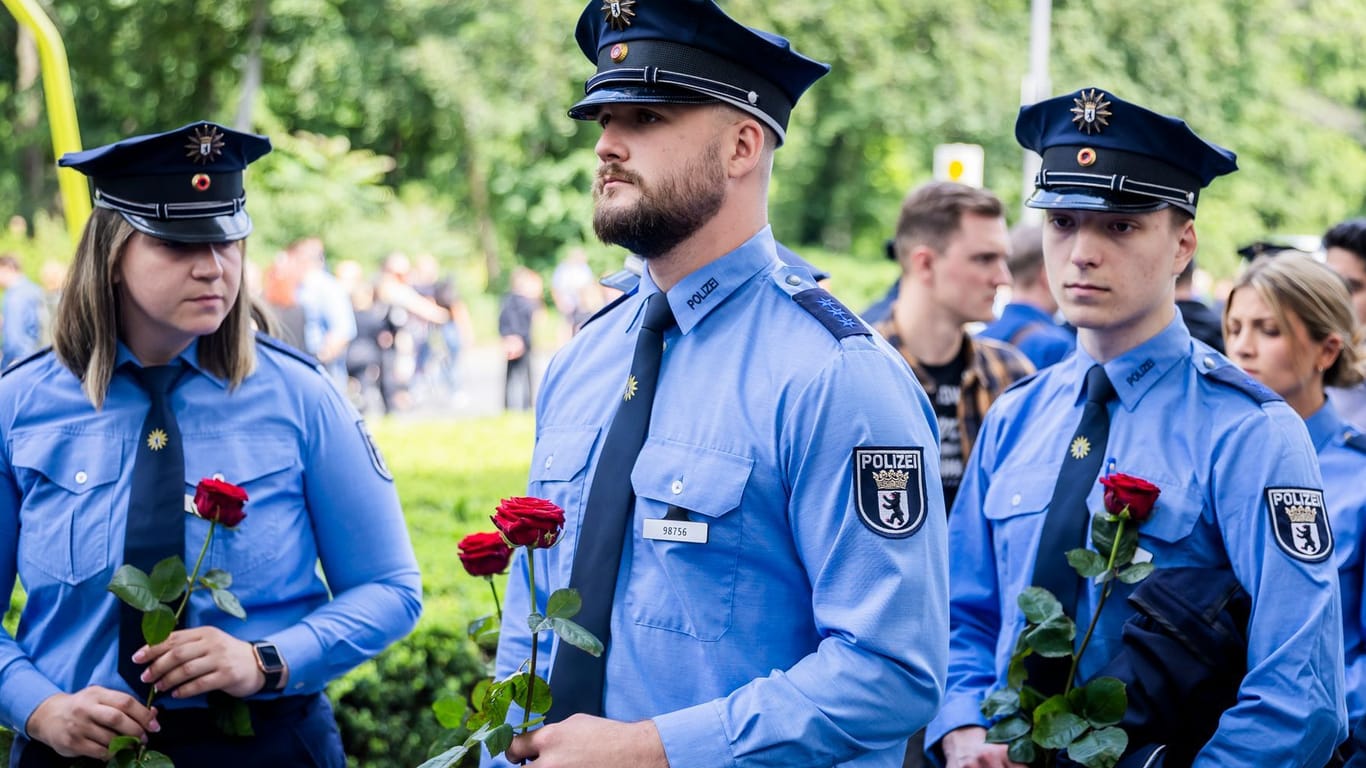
x,y
270,658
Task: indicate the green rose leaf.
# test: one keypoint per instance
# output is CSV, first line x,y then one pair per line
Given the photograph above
x,y
168,579
484,632
1008,730
216,578
449,711
1053,638
230,714
1001,703
1128,545
535,621
540,697
125,759
1051,706
1016,672
153,759
1057,729
1086,563
1104,701
1103,529
1022,750
499,739
157,624
563,604
227,603
499,698
1136,573
448,758
480,694
121,743
576,636
1039,605
133,587
1099,749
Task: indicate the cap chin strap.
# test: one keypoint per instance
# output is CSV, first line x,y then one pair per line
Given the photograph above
x,y
1114,182
201,210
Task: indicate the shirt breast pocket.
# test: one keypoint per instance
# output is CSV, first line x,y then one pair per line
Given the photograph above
x,y
558,473
1015,505
685,586
68,500
268,469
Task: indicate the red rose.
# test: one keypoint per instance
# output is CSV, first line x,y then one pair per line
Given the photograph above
x,y
220,502
526,521
484,554
1129,492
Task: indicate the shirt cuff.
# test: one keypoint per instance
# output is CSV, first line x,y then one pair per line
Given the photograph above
x,y
695,736
957,712
299,648
25,689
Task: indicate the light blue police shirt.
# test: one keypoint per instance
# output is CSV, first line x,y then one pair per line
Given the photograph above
x,y
796,635
319,492
1342,459
1214,451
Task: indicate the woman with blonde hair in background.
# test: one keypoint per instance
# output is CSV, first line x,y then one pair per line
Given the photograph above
x,y
1289,324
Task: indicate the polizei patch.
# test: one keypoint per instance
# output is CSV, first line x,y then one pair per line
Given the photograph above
x,y
1301,523
889,484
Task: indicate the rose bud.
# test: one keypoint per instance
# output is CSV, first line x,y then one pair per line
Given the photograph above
x,y
220,502
527,521
1129,492
484,554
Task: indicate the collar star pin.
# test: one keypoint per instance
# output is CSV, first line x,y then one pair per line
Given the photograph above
x,y
205,145
618,13
1091,112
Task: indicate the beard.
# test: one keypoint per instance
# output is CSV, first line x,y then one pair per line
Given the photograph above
x,y
666,213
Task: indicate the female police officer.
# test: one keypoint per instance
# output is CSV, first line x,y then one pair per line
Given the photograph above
x,y
154,330
1288,323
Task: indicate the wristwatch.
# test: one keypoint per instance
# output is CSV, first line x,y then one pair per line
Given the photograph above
x,y
268,660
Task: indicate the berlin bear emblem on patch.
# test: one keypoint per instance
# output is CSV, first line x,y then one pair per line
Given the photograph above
x,y
1301,523
889,485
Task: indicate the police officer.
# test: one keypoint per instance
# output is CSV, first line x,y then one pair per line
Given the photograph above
x,y
1240,486
23,313
1289,324
779,596
156,288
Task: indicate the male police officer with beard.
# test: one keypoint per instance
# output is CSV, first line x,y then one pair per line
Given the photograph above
x,y
761,546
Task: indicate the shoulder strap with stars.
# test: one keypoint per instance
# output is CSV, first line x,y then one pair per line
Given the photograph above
x,y
836,317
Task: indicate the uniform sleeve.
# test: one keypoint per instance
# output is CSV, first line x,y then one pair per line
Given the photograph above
x,y
22,686
1290,708
974,596
880,604
363,545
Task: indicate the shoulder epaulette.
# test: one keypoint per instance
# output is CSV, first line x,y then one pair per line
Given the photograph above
x,y
25,361
280,346
611,306
1016,384
836,317
1355,439
1232,376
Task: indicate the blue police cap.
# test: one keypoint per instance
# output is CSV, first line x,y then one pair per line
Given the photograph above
x,y
688,52
183,186
1101,153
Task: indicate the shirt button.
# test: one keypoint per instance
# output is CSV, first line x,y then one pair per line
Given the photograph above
x,y
1015,500
794,280
548,461
1209,361
677,487
81,477
218,476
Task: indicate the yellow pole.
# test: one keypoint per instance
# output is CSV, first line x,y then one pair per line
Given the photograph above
x,y
61,108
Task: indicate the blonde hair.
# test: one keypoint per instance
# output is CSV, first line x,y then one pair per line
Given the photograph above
x,y
1293,284
86,326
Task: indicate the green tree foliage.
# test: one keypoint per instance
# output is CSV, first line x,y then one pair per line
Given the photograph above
x,y
467,101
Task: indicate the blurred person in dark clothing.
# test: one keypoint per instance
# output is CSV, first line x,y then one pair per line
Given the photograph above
x,y
1202,321
1027,322
515,320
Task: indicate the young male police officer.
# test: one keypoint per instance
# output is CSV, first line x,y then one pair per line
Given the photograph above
x,y
766,564
1240,489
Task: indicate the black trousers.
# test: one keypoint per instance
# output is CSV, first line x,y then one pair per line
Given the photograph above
x,y
292,731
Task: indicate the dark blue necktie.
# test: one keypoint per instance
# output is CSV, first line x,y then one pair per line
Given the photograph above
x,y
577,678
1069,520
155,528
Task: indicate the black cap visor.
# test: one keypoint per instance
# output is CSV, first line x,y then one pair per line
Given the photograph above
x,y
210,229
1083,199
